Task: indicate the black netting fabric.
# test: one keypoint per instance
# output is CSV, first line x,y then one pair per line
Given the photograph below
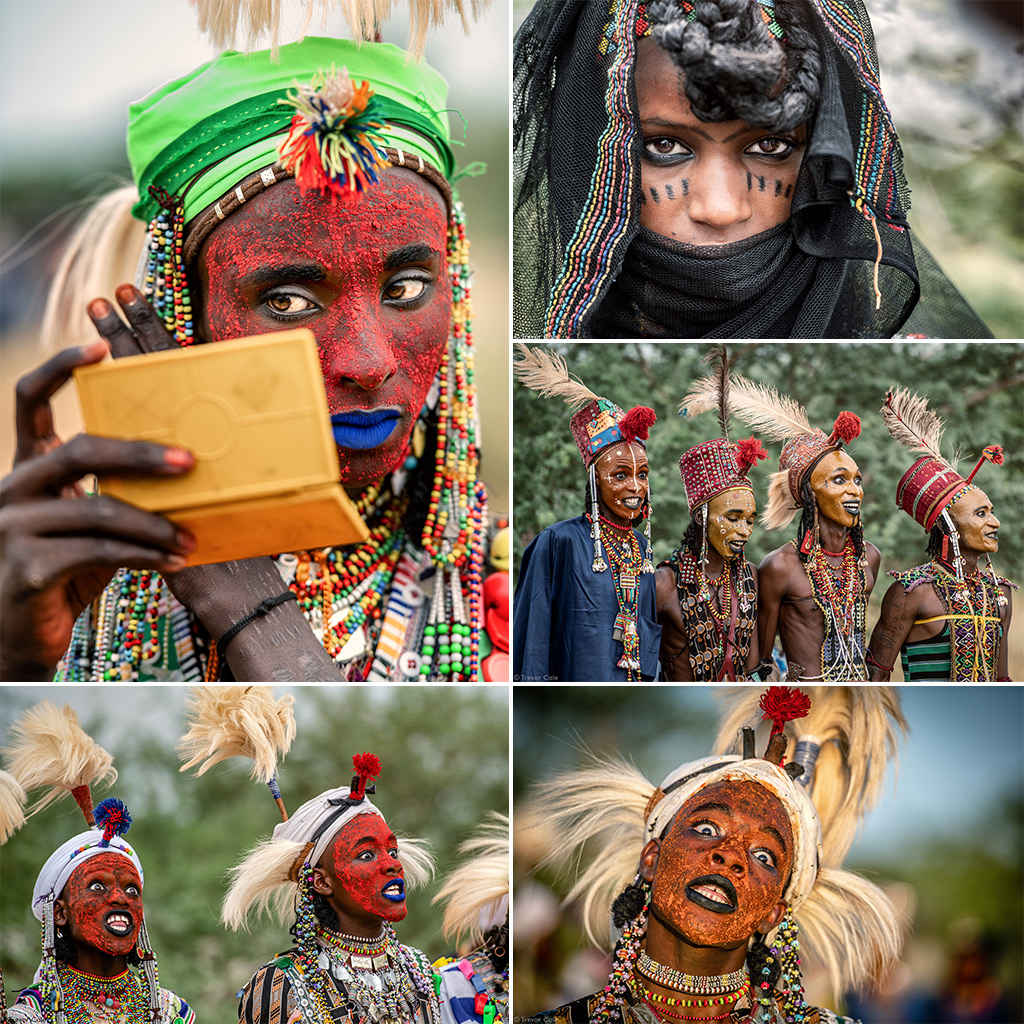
x,y
584,267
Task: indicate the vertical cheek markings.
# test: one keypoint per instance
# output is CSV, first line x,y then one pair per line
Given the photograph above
x,y
669,193
778,187
686,186
654,195
643,198
760,183
750,182
789,188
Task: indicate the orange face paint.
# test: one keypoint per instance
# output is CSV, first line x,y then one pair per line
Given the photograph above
x,y
723,865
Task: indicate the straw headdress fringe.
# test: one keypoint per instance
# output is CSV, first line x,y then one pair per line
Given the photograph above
x,y
910,422
103,253
238,721
780,510
261,882
850,925
849,776
479,882
775,417
546,373
52,751
605,802
12,806
713,391
239,24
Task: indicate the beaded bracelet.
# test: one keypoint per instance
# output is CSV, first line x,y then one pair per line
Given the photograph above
x,y
263,608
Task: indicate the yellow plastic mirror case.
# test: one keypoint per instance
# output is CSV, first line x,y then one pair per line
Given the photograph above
x,y
254,414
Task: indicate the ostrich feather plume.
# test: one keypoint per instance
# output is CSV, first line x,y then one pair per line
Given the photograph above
x,y
712,391
51,751
910,422
238,721
781,508
12,806
775,417
546,373
233,24
479,884
857,729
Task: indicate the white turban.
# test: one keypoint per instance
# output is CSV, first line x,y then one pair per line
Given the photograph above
x,y
802,816
76,851
303,823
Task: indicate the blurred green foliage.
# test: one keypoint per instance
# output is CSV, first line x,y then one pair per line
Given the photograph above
x,y
445,765
977,389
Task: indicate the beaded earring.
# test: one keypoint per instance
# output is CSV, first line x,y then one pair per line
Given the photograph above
x,y
787,943
305,930
648,565
599,564
704,535
620,987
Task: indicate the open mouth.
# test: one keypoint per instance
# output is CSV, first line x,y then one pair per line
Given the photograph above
x,y
362,430
394,891
713,892
853,507
632,503
737,546
118,923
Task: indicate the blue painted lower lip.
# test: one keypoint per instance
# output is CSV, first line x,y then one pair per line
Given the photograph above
x,y
363,430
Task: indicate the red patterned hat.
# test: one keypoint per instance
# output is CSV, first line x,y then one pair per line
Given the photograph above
x,y
600,424
930,485
712,467
801,453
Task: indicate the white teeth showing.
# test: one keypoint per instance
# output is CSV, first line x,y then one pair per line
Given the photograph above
x,y
393,889
712,892
119,923
632,502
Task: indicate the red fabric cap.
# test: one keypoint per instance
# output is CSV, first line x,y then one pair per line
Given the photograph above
x,y
927,488
710,468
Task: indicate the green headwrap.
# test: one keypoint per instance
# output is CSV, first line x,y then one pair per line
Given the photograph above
x,y
224,118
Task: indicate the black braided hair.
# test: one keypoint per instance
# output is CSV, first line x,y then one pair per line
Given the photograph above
x,y
939,531
757,964
807,521
496,945
325,913
735,68
692,540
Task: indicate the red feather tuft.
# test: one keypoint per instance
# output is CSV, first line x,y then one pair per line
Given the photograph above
x,y
846,428
994,454
367,764
782,704
749,452
636,424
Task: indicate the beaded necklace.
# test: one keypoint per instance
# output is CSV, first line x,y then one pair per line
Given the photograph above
x,y
90,998
623,551
972,607
843,605
721,999
693,984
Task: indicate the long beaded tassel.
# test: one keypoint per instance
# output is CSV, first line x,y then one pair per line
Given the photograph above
x,y
455,529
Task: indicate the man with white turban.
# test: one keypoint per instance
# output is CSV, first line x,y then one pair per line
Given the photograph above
x,y
337,869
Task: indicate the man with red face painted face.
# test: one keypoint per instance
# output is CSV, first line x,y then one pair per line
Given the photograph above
x,y
88,898
338,867
339,218
946,619
813,591
728,862
576,615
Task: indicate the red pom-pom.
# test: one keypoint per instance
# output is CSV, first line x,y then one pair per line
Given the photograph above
x,y
846,428
782,704
367,765
636,424
994,454
748,453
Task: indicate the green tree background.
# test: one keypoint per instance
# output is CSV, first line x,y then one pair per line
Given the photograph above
x,y
445,765
976,388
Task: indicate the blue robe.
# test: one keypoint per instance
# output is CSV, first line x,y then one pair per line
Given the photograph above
x,y
563,612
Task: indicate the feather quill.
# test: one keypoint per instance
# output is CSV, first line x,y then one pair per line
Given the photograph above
x,y
775,417
712,391
546,373
51,751
12,806
910,422
234,24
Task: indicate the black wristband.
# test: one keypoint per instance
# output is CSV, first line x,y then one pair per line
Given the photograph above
x,y
263,608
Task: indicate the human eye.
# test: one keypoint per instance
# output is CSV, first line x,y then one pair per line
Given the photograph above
x,y
407,288
642,474
288,305
706,828
765,857
662,149
97,886
772,147
133,890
